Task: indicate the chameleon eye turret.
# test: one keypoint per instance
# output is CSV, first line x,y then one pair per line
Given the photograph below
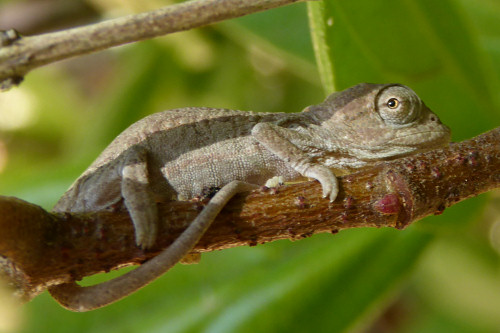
x,y
398,105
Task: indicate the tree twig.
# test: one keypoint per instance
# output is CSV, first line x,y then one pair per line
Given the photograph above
x,y
19,55
39,249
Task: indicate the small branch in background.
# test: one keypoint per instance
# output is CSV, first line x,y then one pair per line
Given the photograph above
x,y
39,249
19,55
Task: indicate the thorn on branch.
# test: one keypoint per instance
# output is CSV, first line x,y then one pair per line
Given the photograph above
x,y
7,37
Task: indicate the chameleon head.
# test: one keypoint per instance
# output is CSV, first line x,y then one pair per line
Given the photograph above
x,y
381,121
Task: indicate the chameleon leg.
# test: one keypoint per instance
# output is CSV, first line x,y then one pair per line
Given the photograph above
x,y
76,298
138,198
272,137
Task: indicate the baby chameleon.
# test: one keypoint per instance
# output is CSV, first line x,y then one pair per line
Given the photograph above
x,y
179,154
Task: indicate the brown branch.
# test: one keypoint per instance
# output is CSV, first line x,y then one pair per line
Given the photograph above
x,y
39,249
19,55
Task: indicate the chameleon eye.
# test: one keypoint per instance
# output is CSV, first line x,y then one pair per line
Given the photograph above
x,y
398,105
392,103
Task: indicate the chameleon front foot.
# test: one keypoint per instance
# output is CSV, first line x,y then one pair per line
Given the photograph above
x,y
326,178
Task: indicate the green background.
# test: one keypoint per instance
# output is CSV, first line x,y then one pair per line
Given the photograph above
x,y
440,275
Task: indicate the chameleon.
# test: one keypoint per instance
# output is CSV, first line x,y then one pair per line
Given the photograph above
x,y
180,154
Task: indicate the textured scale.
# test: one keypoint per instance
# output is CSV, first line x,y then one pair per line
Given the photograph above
x,y
189,149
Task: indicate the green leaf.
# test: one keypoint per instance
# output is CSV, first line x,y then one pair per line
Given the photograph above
x,y
335,286
284,27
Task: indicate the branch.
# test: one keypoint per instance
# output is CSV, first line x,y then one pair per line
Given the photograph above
x,y
19,55
39,249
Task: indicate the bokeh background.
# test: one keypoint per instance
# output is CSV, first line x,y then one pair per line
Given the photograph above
x,y
440,275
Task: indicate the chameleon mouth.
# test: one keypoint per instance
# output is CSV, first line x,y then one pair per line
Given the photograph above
x,y
430,139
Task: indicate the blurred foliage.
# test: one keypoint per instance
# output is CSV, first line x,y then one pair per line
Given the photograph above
x,y
442,274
